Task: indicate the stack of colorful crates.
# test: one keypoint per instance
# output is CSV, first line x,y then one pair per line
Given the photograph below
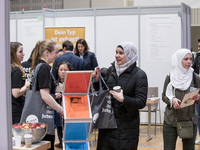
x,y
77,110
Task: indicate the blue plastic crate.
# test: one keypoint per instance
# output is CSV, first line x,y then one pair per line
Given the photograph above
x,y
76,131
77,146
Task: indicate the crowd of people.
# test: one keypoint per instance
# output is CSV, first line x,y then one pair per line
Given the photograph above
x,y
49,82
123,72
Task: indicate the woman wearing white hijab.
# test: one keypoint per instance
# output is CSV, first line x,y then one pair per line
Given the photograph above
x,y
127,102
177,84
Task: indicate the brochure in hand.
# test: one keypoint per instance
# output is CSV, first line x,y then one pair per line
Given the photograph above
x,y
187,99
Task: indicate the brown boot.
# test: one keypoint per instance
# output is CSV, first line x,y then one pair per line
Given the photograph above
x,y
58,145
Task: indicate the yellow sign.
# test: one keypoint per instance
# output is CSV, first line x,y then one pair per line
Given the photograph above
x,y
61,34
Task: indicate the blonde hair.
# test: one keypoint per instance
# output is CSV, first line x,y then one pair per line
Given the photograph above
x,y
14,61
39,49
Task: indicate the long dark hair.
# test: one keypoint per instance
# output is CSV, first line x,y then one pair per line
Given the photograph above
x,y
14,61
84,43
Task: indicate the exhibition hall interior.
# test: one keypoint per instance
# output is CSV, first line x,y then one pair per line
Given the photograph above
x,y
139,64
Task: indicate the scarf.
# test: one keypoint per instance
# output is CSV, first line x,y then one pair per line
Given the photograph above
x,y
130,54
180,78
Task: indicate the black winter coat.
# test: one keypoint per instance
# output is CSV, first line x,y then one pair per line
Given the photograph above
x,y
134,84
196,63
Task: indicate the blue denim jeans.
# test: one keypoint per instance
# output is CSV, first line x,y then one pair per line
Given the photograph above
x,y
170,138
197,107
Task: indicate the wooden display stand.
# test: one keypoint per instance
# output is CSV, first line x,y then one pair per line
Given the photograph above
x,y
77,110
43,145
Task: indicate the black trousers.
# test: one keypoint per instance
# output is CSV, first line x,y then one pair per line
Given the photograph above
x,y
60,134
50,138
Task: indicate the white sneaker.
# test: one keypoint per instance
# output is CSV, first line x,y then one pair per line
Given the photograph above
x,y
197,141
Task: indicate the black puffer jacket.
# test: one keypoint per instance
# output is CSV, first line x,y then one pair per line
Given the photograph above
x,y
134,84
196,63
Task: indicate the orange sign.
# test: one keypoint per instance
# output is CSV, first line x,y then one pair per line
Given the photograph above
x,y
61,34
76,106
77,82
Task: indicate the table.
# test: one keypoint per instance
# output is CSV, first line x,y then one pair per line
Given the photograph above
x,y
149,102
43,145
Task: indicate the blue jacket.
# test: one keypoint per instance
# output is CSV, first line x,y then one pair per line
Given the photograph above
x,y
70,57
89,61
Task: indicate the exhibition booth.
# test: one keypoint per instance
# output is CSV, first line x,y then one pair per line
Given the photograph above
x,y
156,31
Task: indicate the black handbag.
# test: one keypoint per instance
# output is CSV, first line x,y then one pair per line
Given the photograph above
x,y
101,107
35,109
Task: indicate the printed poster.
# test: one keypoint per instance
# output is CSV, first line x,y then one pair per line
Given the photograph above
x,y
61,34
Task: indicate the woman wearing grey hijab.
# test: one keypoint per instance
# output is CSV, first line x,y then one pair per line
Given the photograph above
x,y
126,103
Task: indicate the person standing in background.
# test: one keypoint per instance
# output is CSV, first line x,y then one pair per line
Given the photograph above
x,y
179,82
63,66
196,67
82,51
196,63
68,56
60,52
26,66
18,86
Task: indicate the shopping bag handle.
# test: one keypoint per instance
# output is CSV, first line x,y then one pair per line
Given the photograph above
x,y
100,83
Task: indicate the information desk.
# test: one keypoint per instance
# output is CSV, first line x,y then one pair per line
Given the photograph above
x,y
43,145
150,102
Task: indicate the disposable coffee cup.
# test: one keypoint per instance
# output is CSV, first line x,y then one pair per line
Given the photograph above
x,y
18,140
117,88
28,140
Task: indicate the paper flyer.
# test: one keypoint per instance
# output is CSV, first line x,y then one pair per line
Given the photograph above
x,y
187,99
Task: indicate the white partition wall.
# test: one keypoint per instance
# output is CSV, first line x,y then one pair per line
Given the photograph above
x,y
13,33
49,18
156,31
109,33
114,26
87,22
78,18
27,29
161,34
30,31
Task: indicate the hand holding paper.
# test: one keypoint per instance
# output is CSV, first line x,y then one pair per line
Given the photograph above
x,y
196,97
190,98
175,102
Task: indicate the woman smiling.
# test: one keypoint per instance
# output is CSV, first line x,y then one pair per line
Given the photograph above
x,y
127,102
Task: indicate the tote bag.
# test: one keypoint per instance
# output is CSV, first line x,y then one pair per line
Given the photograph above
x,y
101,106
35,109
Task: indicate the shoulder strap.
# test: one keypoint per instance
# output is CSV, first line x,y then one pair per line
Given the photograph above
x,y
169,81
194,79
37,68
